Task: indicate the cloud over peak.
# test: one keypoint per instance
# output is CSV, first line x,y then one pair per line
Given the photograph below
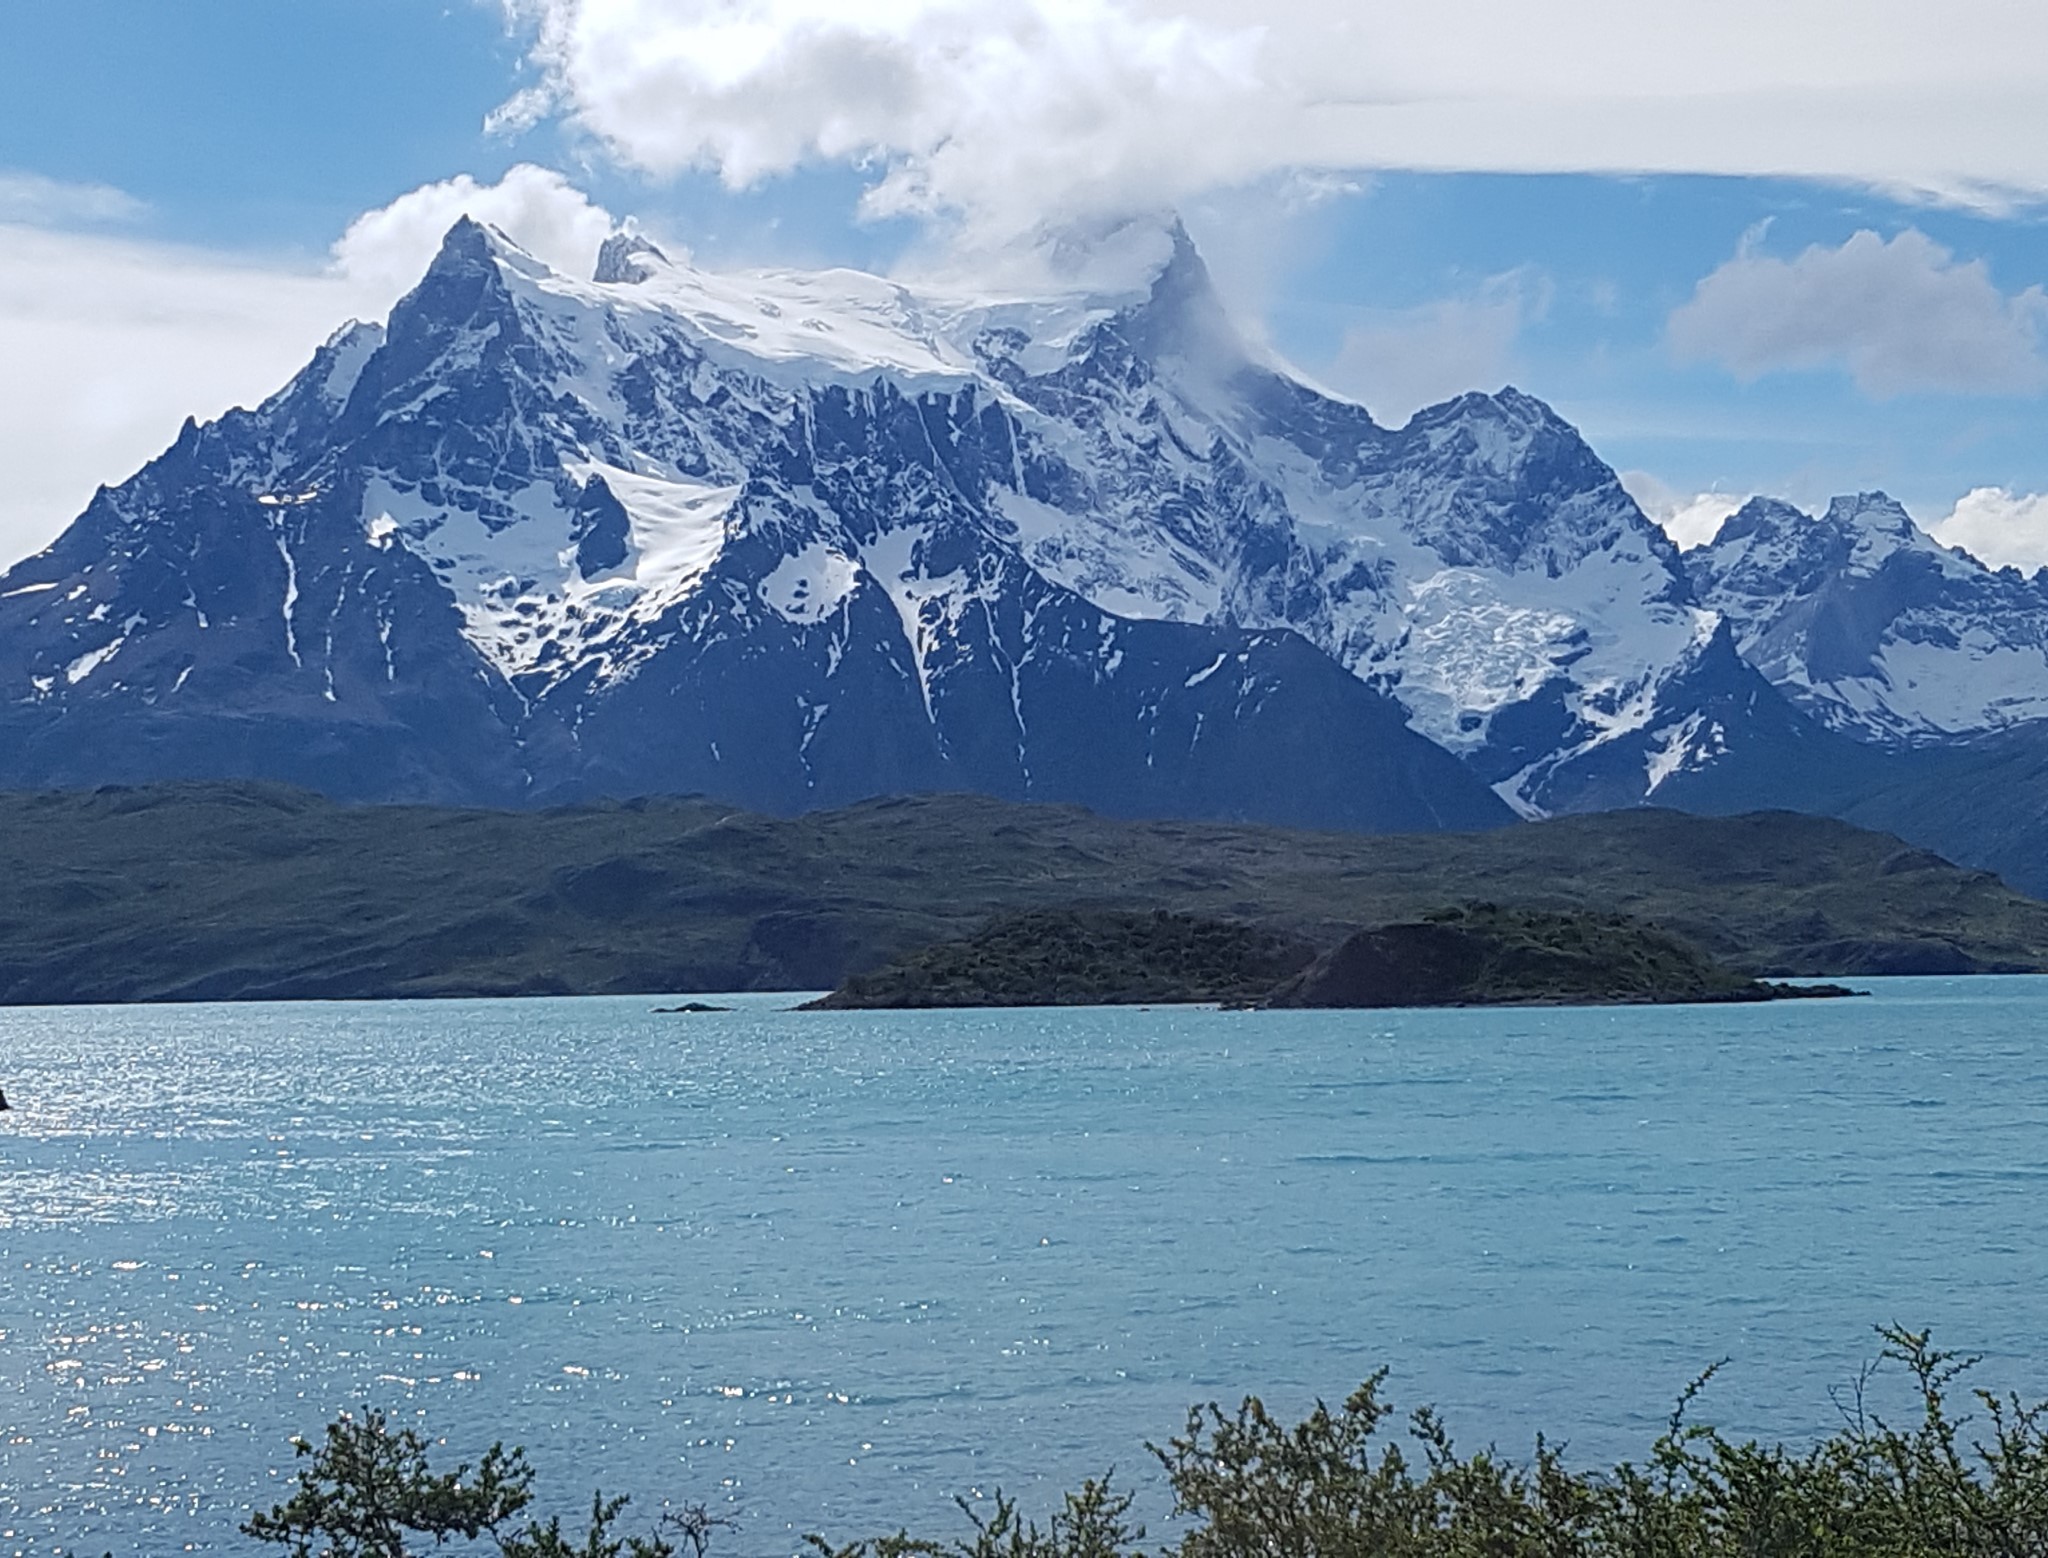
x,y
2000,527
384,251
1007,115
997,113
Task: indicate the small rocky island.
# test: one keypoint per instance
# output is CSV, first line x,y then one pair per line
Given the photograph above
x,y
1483,955
1474,955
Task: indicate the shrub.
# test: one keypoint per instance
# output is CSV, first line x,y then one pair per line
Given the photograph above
x,y
1336,1485
368,1492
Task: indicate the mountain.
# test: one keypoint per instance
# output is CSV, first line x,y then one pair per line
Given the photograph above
x,y
793,539
1924,673
1873,627
537,538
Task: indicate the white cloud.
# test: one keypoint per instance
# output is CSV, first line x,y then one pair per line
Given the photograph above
x,y
46,202
1399,360
979,109
2002,528
1899,315
1688,518
128,338
537,208
1891,93
1008,114
1258,238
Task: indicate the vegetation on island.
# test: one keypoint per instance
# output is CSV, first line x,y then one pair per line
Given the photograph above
x,y
1474,955
1485,955
1967,1478
1082,957
231,891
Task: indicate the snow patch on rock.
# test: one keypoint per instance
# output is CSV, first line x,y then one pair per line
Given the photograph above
x,y
811,584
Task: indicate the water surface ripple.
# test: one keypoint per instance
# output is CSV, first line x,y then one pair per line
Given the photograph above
x,y
831,1269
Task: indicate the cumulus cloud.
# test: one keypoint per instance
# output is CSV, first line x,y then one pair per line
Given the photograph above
x,y
1006,114
1396,361
1998,526
386,250
1899,315
1690,519
964,108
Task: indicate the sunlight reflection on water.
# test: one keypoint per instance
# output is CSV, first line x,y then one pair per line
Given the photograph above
x,y
831,1269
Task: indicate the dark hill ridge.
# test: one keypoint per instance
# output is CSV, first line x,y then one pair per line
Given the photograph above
x,y
240,891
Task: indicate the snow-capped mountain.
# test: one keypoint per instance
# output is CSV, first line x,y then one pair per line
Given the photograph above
x,y
792,539
1876,629
542,538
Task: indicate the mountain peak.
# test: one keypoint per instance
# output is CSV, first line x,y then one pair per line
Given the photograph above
x,y
625,257
1851,520
1871,512
471,246
1758,517
1183,283
468,268
1182,316
1508,427
1524,406
467,242
1870,624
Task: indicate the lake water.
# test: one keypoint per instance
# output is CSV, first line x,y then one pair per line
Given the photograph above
x,y
829,1270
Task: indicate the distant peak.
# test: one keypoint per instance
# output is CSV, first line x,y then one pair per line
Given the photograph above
x,y
625,257
467,281
1878,511
1521,403
1849,521
467,239
1508,405
1760,516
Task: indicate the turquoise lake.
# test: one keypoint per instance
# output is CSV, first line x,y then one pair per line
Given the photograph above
x,y
825,1271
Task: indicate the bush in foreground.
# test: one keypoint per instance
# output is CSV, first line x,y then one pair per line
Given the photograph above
x,y
1334,1485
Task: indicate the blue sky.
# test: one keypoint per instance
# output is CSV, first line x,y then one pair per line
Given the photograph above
x,y
1600,265
1674,261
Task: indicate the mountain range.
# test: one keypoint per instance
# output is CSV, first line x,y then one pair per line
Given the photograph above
x,y
793,539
